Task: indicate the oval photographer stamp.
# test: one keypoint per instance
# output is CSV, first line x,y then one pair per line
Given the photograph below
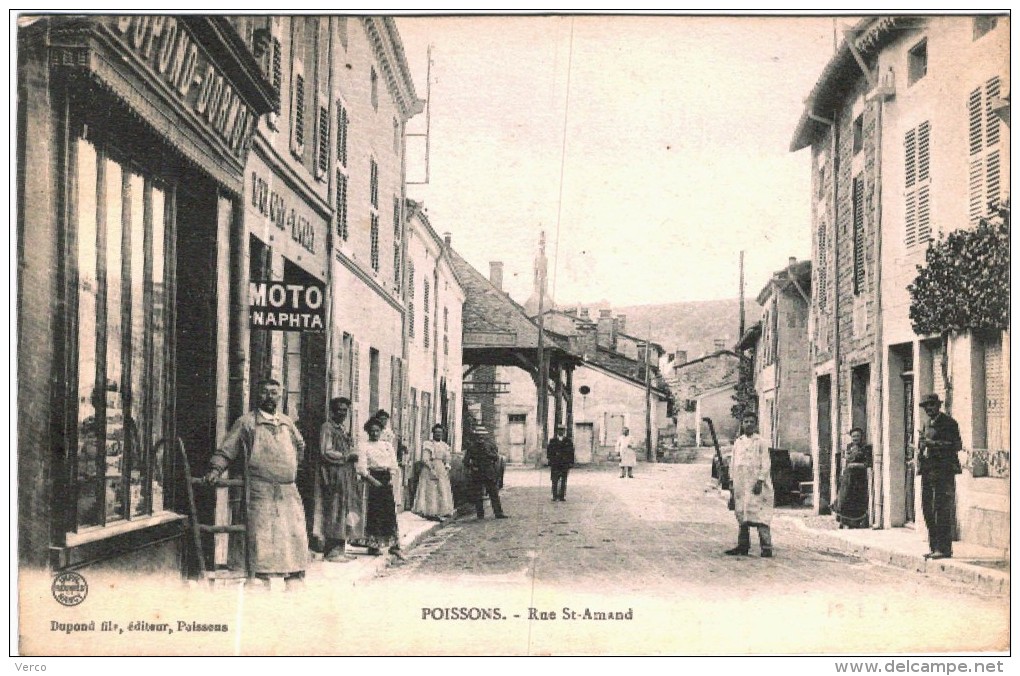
x,y
69,589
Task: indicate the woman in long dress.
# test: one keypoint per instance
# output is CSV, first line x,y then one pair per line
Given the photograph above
x,y
377,464
851,506
434,497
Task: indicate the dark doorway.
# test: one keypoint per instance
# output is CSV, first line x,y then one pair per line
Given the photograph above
x,y
860,386
824,460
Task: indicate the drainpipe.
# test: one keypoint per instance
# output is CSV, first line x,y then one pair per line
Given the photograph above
x,y
878,518
835,411
331,385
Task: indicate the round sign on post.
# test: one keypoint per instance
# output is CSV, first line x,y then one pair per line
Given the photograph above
x,y
584,390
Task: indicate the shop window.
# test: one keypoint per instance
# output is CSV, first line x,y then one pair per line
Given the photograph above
x,y
917,62
122,221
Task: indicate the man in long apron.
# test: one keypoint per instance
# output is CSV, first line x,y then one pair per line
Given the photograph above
x,y
753,497
276,517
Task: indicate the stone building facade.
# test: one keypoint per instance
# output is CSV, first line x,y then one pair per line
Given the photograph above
x,y
907,144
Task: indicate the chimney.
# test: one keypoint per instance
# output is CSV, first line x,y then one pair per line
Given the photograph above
x,y
621,323
448,239
587,340
496,274
793,261
606,335
680,357
584,313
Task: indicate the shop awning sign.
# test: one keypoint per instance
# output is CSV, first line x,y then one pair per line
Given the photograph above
x,y
287,306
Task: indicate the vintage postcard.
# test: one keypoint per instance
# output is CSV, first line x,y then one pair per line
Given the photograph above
x,y
550,334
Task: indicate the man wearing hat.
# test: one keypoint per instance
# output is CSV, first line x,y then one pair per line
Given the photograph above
x,y
560,453
938,465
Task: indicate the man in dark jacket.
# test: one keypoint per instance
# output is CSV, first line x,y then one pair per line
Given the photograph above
x,y
560,453
938,465
481,460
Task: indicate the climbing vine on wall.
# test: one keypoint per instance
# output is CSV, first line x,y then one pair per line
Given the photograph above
x,y
964,284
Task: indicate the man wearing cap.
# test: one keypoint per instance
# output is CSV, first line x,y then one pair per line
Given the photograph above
x,y
561,458
938,464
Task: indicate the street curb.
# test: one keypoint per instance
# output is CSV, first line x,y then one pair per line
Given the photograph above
x,y
982,579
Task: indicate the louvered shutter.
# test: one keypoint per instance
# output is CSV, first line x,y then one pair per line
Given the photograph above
x,y
823,272
322,152
341,133
859,244
341,205
297,118
997,424
917,185
983,136
356,373
275,67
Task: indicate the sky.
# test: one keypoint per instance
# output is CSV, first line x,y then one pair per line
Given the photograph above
x,y
650,150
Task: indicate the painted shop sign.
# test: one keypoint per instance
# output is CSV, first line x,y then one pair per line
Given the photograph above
x,y
168,50
281,211
287,306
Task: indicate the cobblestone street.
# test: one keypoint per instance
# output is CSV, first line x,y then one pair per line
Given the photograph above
x,y
654,544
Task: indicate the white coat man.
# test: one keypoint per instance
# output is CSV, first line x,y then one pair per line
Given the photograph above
x,y
753,497
625,449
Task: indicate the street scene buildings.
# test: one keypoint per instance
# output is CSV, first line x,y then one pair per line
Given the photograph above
x,y
209,207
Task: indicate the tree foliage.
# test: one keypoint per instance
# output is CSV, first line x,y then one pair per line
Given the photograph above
x,y
744,395
964,282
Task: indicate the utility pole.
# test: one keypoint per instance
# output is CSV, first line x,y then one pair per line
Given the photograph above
x,y
543,371
650,453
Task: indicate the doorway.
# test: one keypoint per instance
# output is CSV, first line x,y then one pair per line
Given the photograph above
x,y
823,485
614,428
517,425
584,442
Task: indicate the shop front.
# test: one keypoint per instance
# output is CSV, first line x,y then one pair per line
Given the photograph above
x,y
287,224
133,134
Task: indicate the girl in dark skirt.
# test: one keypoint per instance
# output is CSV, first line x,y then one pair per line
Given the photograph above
x,y
377,463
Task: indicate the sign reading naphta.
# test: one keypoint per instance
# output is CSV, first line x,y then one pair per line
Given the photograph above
x,y
286,306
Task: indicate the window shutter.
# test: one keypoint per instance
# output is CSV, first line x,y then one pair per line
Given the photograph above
x,y
356,376
322,153
823,255
859,265
410,299
984,136
341,133
917,183
297,119
375,242
341,205
374,183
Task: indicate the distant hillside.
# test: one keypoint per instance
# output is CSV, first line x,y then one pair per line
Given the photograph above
x,y
692,326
